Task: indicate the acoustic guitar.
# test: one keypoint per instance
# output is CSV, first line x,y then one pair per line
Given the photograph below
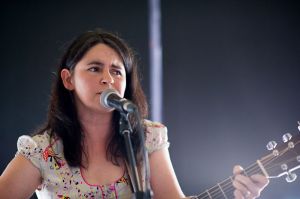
x,y
282,161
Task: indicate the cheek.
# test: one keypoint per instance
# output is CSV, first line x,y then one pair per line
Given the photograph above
x,y
82,86
122,87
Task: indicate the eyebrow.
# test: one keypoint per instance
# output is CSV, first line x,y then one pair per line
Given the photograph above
x,y
99,63
95,63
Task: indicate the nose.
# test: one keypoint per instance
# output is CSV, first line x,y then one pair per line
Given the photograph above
x,y
107,77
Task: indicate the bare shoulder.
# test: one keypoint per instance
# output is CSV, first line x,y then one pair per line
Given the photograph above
x,y
21,175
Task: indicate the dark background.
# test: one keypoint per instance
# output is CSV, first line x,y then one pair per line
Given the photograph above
x,y
231,76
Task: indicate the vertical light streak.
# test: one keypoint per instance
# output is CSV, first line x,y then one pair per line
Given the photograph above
x,y
155,49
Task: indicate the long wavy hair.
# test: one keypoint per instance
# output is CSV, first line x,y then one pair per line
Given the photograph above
x,y
62,120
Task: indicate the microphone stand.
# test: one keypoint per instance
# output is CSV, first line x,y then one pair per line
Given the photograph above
x,y
126,131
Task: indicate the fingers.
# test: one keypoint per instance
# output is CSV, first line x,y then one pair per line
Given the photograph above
x,y
260,180
239,195
248,187
237,169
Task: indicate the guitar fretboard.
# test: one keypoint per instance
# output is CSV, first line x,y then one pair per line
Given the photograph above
x,y
224,189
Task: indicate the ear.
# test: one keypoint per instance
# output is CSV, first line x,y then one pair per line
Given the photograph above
x,y
66,77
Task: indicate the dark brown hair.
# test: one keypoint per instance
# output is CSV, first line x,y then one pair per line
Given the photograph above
x,y
62,121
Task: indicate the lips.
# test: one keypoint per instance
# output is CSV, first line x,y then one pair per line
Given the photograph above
x,y
104,90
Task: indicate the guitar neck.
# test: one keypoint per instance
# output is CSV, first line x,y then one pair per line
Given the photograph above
x,y
224,189
282,161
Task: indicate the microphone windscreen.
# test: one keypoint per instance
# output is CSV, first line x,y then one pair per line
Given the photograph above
x,y
104,97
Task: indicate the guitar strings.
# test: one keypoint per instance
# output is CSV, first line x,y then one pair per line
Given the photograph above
x,y
228,187
252,169
216,191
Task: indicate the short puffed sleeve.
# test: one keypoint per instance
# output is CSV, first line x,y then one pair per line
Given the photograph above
x,y
32,148
156,136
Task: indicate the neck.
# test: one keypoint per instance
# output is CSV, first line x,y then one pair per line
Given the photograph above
x,y
97,129
94,123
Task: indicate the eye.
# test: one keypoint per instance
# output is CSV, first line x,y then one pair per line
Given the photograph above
x,y
93,69
117,72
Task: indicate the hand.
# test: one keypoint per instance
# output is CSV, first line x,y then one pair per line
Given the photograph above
x,y
248,187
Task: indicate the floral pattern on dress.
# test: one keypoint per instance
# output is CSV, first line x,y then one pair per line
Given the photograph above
x,y
156,136
60,181
54,158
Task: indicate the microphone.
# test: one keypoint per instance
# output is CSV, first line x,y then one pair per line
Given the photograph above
x,y
111,99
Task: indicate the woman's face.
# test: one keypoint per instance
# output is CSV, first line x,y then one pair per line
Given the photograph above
x,y
99,69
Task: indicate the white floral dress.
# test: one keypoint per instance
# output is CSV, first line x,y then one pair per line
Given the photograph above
x,y
60,181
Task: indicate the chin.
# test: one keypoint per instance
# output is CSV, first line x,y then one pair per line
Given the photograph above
x,y
105,110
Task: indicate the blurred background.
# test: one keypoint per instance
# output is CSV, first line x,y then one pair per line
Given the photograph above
x,y
231,76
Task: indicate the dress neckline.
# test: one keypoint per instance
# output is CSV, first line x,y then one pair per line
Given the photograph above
x,y
124,178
